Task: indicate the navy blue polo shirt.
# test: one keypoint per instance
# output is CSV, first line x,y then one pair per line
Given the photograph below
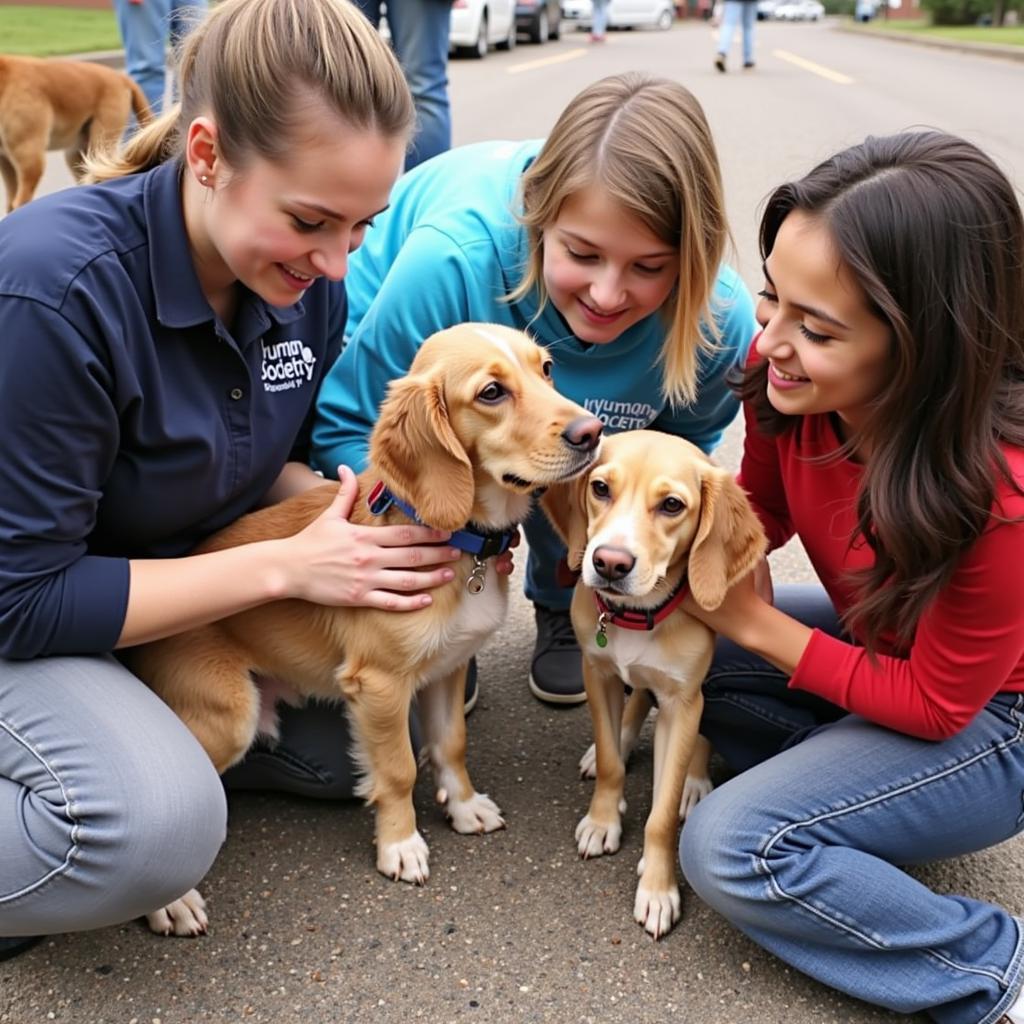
x,y
133,422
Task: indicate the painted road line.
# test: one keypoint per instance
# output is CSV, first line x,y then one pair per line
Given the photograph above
x,y
817,69
543,62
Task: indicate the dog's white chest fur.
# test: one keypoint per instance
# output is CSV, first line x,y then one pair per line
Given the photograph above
x,y
477,618
630,649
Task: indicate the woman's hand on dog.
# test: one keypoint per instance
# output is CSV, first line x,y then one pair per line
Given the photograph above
x,y
336,562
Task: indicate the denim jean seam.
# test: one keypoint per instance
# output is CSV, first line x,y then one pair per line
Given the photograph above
x,y
75,828
752,707
764,867
1012,983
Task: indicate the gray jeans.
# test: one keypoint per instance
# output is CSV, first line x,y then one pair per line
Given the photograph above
x,y
109,808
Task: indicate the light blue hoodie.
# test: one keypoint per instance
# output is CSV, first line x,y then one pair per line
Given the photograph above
x,y
447,250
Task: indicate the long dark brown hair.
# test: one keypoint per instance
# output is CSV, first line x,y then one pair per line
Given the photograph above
x,y
933,231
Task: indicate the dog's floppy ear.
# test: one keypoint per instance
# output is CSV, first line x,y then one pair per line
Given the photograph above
x,y
418,455
729,541
566,507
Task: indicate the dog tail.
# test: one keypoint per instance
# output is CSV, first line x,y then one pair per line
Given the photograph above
x,y
140,105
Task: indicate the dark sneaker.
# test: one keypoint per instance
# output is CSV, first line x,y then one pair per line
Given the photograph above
x,y
556,673
748,65
472,690
12,947
720,61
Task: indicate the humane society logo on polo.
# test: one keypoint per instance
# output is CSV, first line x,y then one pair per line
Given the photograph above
x,y
286,365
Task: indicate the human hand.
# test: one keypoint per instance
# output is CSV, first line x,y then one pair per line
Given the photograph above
x,y
504,564
335,562
739,607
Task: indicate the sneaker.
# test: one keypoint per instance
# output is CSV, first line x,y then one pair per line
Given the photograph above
x,y
472,690
748,65
556,674
13,947
720,61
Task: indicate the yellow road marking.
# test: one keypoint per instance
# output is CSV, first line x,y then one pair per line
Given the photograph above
x,y
543,62
817,69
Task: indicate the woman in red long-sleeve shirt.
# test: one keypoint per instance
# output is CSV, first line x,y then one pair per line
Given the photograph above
x,y
877,720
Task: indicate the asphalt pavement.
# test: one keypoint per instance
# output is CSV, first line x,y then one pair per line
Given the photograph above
x,y
513,927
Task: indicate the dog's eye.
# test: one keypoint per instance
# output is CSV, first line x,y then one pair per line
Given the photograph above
x,y
672,506
493,393
546,368
600,489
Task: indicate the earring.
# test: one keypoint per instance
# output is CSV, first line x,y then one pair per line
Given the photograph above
x,y
204,179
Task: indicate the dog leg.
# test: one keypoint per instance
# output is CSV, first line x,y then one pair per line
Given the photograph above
x,y
185,917
379,711
600,829
658,905
698,781
26,150
10,180
637,708
444,724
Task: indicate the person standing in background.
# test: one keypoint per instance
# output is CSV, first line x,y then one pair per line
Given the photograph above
x,y
147,27
737,12
599,21
419,35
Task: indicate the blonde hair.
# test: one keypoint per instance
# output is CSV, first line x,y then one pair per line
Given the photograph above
x,y
251,64
646,142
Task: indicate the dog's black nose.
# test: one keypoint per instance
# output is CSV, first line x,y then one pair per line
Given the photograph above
x,y
584,433
613,563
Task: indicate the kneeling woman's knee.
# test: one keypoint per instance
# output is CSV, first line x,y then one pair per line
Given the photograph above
x,y
718,853
150,840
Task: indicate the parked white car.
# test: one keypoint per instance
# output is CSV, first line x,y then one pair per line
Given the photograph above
x,y
657,14
798,10
477,25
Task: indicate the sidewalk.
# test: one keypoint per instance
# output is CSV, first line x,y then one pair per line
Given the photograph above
x,y
981,49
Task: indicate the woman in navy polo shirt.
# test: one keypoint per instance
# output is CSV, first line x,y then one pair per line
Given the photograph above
x,y
162,337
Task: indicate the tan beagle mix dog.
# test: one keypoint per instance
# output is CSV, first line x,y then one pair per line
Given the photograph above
x,y
652,520
460,444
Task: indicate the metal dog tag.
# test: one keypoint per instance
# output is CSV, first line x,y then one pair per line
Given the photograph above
x,y
476,580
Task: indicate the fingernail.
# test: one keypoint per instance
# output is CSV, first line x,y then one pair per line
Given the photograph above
x,y
425,600
448,574
442,534
454,552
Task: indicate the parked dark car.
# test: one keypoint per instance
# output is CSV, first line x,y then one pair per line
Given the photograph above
x,y
541,20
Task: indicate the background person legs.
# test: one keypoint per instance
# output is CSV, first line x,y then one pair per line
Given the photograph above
x,y
145,28
419,34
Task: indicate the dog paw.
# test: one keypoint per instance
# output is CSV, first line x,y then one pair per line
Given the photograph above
x,y
405,861
477,814
185,917
594,838
588,763
657,910
694,790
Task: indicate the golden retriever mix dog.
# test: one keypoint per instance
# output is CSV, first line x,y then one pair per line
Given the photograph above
x,y
49,103
460,443
653,520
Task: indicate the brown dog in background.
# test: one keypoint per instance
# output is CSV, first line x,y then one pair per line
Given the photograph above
x,y
652,520
465,438
49,103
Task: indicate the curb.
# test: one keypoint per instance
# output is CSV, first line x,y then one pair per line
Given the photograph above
x,y
111,58
981,49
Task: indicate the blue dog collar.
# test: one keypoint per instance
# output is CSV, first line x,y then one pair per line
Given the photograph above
x,y
481,543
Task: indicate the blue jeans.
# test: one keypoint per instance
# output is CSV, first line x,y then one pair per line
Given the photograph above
x,y
419,35
738,12
801,851
146,30
599,18
109,808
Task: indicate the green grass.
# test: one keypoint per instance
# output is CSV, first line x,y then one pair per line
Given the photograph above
x,y
1013,36
46,31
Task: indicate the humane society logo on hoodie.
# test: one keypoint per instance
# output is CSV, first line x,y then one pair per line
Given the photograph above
x,y
621,415
286,365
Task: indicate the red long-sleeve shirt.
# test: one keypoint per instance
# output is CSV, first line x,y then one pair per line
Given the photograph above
x,y
969,644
